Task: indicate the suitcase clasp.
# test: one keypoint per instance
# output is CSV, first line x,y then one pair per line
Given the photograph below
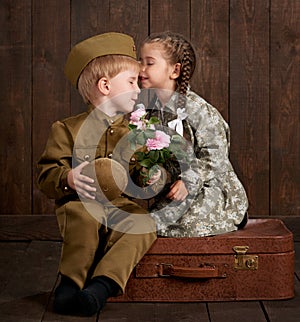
x,y
243,261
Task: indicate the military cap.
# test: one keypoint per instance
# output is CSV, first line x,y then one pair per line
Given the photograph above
x,y
111,43
110,178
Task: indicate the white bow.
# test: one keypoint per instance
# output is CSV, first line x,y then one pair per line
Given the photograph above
x,y
177,123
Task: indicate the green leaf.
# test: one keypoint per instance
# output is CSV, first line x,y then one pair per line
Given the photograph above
x,y
150,134
132,146
141,138
131,135
161,156
164,155
154,155
132,126
177,138
147,163
140,155
153,120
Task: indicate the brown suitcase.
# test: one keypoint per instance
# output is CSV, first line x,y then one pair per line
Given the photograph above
x,y
255,263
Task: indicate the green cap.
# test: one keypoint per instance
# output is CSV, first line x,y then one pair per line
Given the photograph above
x,y
111,43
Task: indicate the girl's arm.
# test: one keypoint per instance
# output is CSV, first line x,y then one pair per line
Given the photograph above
x,y
178,191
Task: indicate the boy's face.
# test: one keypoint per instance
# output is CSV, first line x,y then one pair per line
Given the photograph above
x,y
124,91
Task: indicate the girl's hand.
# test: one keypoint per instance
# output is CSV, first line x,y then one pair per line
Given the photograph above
x,y
156,176
178,191
81,183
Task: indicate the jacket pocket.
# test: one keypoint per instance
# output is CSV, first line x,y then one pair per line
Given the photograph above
x,y
90,153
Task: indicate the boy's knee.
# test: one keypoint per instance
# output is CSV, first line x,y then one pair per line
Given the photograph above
x,y
75,220
139,224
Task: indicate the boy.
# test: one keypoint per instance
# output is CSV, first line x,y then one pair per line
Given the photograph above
x,y
102,241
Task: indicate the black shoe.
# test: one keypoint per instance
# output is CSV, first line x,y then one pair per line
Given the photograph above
x,y
93,298
65,301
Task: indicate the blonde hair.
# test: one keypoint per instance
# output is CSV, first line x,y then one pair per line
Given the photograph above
x,y
176,49
105,66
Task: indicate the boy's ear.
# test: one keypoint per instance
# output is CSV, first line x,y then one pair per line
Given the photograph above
x,y
103,86
176,71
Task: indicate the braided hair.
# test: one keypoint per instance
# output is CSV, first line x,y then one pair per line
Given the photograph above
x,y
177,49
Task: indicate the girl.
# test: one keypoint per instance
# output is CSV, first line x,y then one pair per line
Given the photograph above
x,y
206,198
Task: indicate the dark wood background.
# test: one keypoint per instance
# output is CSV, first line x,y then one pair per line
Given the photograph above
x,y
248,67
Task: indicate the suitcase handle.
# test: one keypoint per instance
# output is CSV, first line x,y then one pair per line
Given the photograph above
x,y
204,271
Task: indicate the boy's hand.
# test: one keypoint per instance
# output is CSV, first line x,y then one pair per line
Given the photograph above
x,y
81,183
178,191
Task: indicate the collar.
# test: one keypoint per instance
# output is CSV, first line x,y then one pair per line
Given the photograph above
x,y
101,116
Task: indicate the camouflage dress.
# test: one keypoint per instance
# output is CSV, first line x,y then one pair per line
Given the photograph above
x,y
217,202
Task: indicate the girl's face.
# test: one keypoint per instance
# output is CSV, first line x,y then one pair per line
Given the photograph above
x,y
156,71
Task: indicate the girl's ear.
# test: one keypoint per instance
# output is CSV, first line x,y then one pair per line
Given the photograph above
x,y
176,71
103,86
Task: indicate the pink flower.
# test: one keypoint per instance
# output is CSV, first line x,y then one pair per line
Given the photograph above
x,y
140,125
136,116
161,140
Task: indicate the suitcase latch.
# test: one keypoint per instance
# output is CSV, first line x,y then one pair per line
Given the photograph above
x,y
243,261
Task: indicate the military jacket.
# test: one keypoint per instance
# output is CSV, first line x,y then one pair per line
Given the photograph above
x,y
76,139
217,200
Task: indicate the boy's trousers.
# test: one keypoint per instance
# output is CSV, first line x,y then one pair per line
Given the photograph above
x,y
103,239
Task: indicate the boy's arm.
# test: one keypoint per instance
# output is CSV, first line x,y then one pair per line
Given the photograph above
x,y
56,162
81,183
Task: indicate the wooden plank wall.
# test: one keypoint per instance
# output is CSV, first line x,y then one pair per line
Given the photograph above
x,y
248,67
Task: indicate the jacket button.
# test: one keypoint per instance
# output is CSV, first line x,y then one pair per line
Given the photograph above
x,y
86,157
111,131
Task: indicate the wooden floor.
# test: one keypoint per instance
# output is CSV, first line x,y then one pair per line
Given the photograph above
x,y
28,277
